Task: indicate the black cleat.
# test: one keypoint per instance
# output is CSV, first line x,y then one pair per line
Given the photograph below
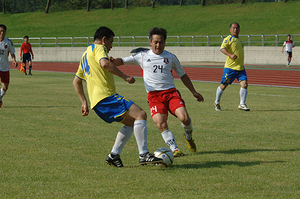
x,y
114,160
149,158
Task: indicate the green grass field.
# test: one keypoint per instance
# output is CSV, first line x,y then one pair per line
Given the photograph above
x,y
254,18
48,150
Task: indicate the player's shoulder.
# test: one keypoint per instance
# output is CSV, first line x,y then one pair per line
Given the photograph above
x,y
8,41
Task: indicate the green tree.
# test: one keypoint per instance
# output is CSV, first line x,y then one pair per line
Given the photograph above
x,y
47,6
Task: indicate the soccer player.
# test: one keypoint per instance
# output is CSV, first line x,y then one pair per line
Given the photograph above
x,y
27,52
163,97
289,44
97,70
233,48
6,47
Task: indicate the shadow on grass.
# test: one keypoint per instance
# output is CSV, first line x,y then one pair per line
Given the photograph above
x,y
240,151
220,164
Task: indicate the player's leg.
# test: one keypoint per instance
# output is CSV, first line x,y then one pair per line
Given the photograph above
x,y
4,76
122,138
160,120
139,116
186,123
243,95
30,67
225,81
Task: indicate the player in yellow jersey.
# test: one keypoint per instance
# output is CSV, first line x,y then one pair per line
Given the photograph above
x,y
97,70
233,48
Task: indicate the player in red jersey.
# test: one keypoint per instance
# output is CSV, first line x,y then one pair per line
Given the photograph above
x,y
27,52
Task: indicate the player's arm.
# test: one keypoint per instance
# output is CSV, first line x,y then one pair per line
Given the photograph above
x,y
225,51
110,67
13,56
77,82
282,48
187,82
117,61
31,52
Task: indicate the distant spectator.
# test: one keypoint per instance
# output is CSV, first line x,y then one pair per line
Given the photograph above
x,y
289,44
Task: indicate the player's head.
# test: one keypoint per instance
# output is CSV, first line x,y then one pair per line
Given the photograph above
x,y
2,31
157,38
289,37
235,29
104,36
26,38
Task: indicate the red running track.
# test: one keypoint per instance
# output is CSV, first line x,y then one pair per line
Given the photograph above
x,y
282,77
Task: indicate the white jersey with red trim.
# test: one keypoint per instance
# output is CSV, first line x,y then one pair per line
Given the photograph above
x,y
289,45
157,69
6,46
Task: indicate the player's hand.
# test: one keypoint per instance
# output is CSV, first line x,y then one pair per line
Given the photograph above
x,y
233,56
111,59
21,58
15,64
199,97
130,79
84,110
32,57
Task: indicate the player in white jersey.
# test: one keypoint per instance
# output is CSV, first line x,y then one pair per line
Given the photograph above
x,y
289,44
163,97
6,47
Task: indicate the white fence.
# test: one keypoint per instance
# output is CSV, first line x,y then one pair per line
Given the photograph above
x,y
127,41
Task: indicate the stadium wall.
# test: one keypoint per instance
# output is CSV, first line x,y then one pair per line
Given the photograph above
x,y
253,55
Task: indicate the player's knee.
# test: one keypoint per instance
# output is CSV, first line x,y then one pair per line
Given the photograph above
x,y
142,115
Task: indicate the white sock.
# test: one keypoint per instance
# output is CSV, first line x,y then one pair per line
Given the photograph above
x,y
218,95
188,131
169,140
140,133
2,93
243,95
122,138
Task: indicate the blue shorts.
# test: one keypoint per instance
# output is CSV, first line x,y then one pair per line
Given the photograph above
x,y
229,75
112,108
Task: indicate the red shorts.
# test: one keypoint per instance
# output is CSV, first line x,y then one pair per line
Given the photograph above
x,y
164,101
4,76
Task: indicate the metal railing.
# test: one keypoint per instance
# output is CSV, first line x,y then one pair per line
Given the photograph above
x,y
198,40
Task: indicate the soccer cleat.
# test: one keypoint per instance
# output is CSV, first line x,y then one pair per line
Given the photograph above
x,y
243,107
114,160
217,107
191,144
288,66
29,74
149,158
178,153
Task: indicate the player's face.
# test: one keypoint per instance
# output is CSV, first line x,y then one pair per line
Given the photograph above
x,y
288,38
2,33
234,30
108,43
26,40
158,44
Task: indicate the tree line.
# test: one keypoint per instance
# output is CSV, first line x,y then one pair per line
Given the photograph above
x,y
21,6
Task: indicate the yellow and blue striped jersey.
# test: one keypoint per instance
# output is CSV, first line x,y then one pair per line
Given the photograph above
x,y
234,46
100,82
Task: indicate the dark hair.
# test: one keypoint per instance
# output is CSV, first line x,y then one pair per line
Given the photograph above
x,y
103,32
3,26
157,31
26,37
289,36
234,23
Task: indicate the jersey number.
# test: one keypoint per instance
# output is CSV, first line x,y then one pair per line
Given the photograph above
x,y
157,68
85,65
1,52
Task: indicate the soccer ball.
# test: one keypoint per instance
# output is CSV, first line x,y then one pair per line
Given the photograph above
x,y
165,154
